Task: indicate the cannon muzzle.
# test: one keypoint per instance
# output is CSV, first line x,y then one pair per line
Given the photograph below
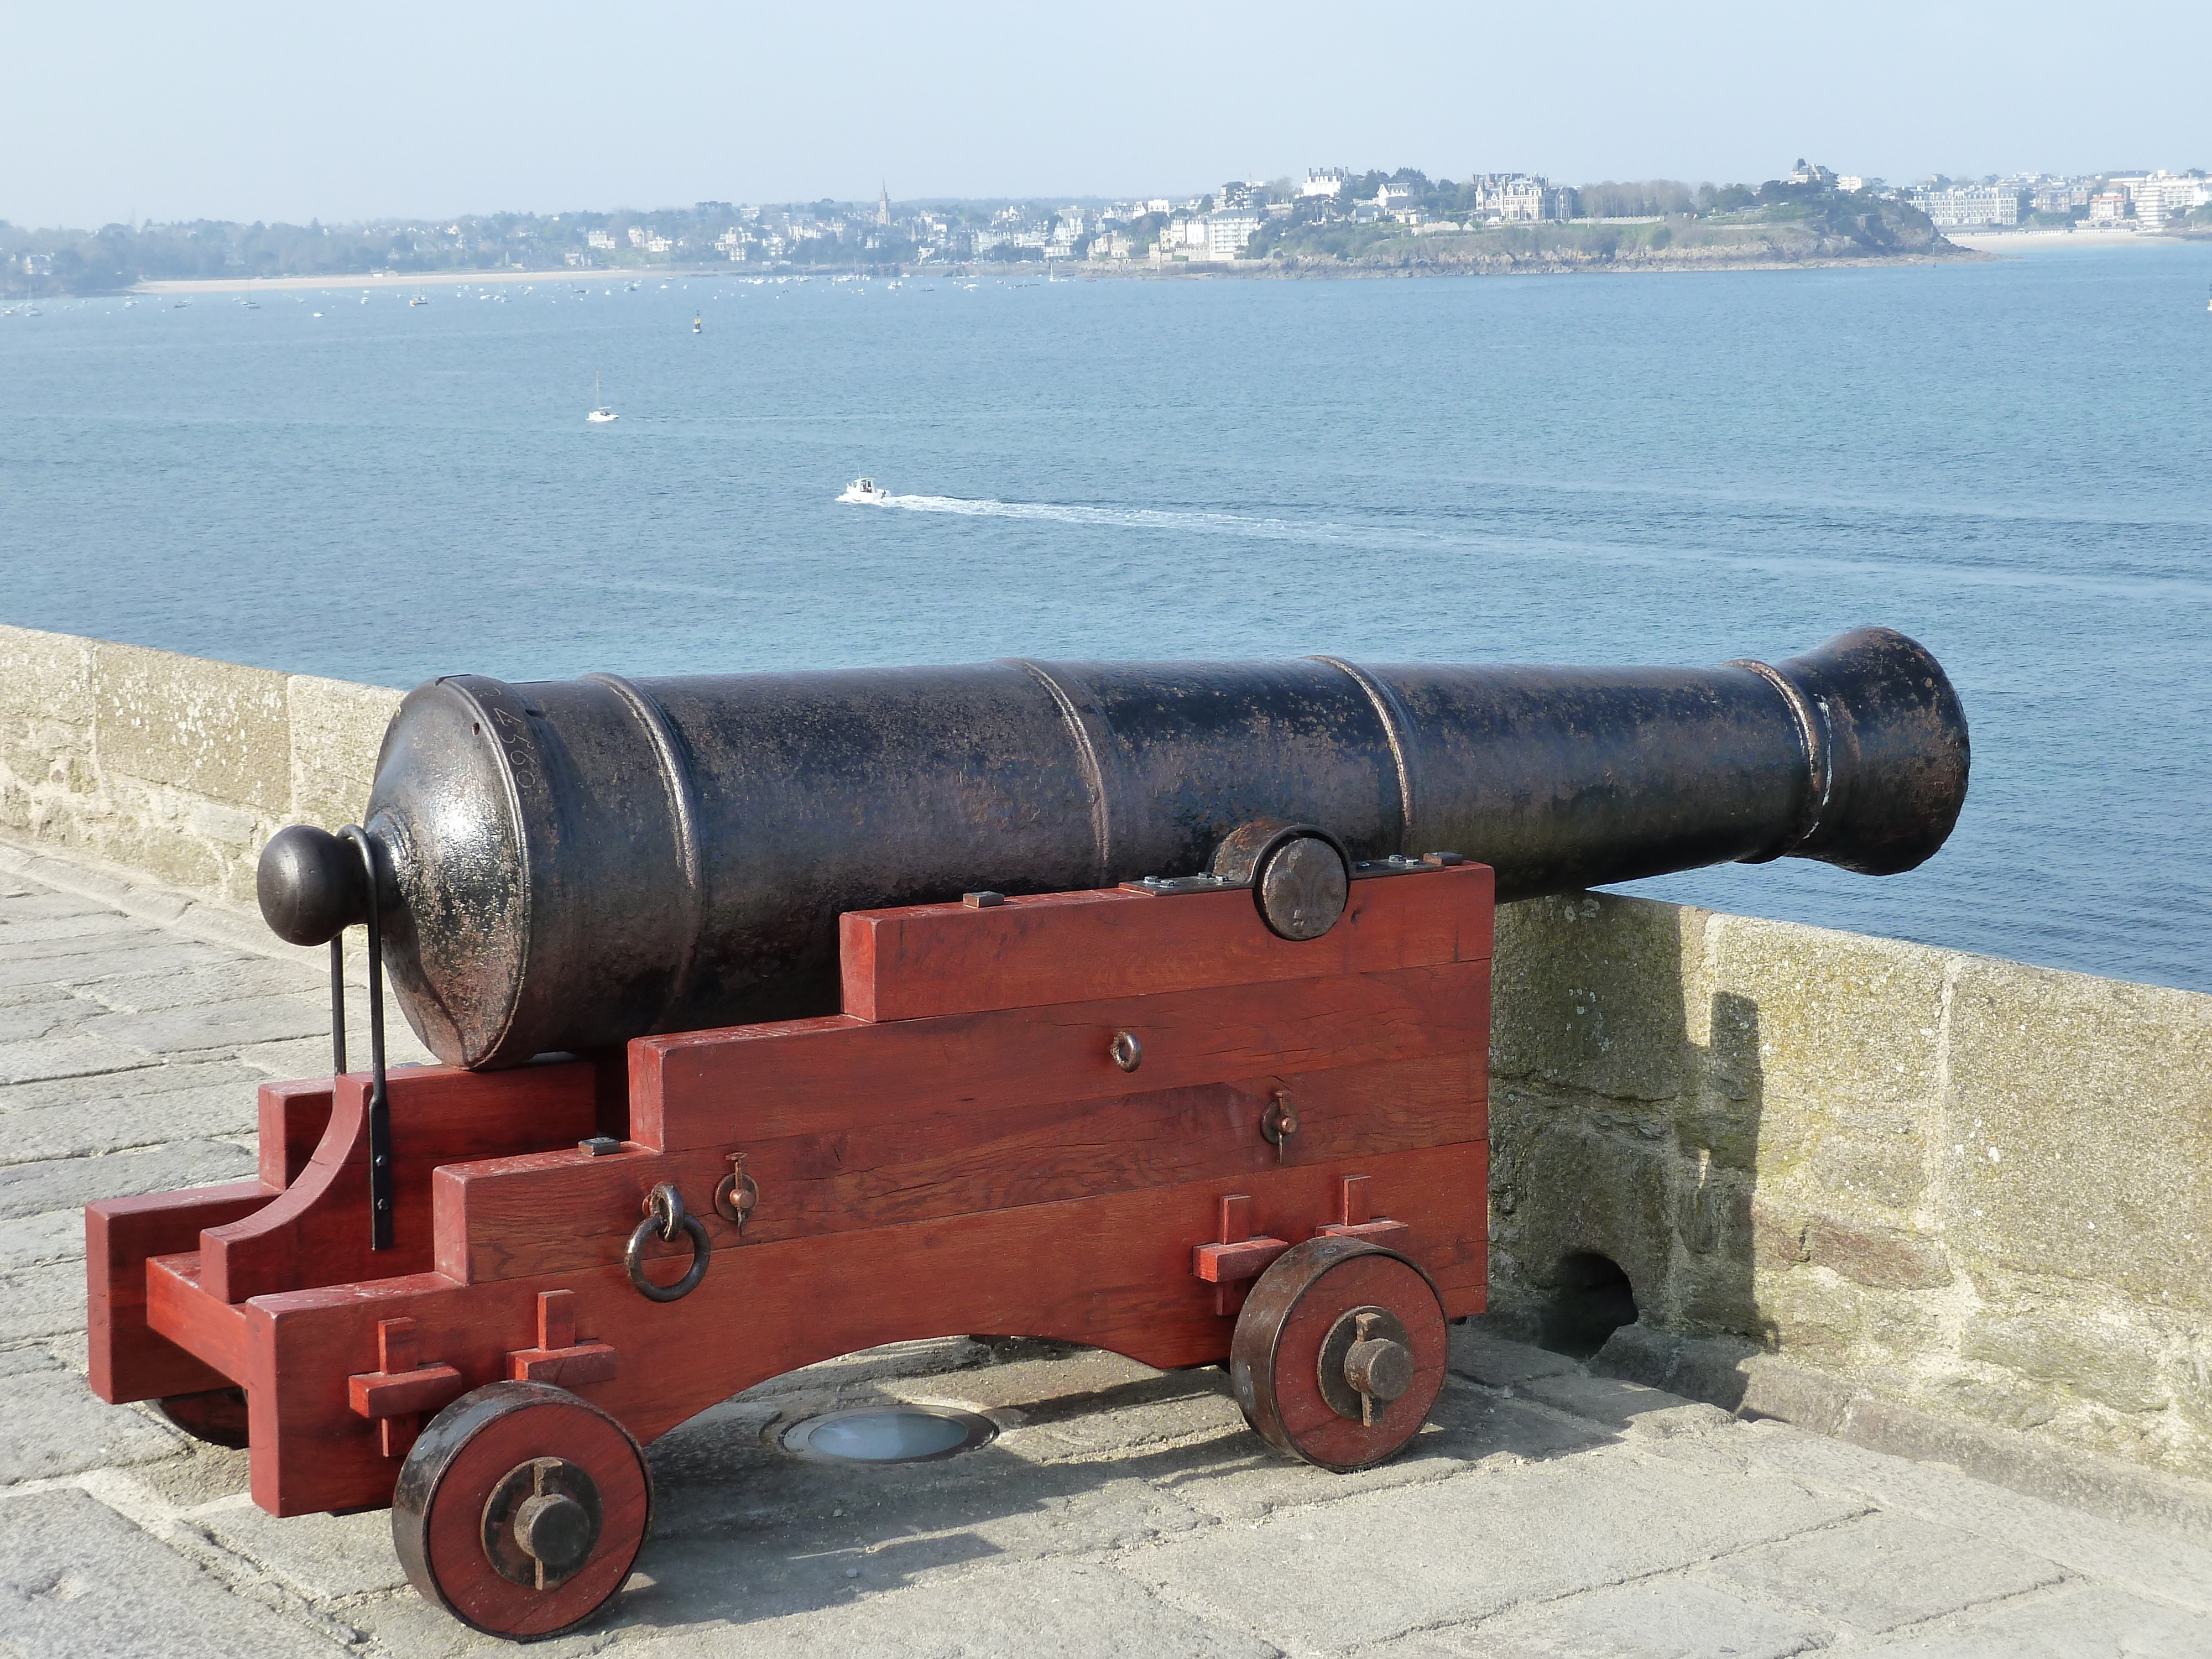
x,y
567,864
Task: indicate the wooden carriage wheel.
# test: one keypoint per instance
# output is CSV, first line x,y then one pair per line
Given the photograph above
x,y
521,1509
215,1415
1339,1355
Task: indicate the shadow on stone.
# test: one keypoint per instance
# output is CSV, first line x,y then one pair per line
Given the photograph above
x,y
1626,1102
1592,1299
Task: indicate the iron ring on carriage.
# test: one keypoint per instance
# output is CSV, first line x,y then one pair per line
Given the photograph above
x,y
665,1214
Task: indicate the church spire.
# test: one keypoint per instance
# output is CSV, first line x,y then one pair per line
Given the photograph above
x,y
883,204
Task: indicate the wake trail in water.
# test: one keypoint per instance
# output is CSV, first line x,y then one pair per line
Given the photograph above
x,y
1914,570
1124,518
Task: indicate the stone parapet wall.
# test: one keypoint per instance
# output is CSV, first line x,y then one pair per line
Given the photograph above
x,y
1934,1181
176,766
1964,1185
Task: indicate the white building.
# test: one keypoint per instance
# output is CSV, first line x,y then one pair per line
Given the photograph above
x,y
2161,195
1394,200
1227,233
605,238
1966,206
1512,197
1325,181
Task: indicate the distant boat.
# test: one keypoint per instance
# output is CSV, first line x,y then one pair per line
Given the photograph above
x,y
602,414
418,300
698,323
253,305
863,492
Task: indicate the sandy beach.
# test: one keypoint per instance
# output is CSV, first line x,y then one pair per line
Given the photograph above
x,y
2016,241
413,279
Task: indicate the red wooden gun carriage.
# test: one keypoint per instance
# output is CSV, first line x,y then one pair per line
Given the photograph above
x,y
1235,1115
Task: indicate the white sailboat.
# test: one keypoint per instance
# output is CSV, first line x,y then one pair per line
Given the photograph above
x,y
601,414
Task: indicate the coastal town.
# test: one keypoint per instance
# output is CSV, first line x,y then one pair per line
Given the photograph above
x,y
1333,216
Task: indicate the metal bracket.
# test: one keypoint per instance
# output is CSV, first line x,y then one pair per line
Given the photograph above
x,y
1398,864
380,1093
737,1194
1404,864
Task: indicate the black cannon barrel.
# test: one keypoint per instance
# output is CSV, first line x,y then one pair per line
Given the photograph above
x,y
570,864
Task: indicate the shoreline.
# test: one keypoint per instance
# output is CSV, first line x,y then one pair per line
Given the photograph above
x,y
1305,271
422,279
1971,246
2002,242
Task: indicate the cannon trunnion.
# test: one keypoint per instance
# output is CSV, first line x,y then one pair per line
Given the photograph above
x,y
786,1015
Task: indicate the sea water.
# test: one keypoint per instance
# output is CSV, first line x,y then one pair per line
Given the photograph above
x,y
2007,460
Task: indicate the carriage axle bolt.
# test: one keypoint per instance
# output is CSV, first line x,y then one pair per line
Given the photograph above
x,y
1379,1370
553,1528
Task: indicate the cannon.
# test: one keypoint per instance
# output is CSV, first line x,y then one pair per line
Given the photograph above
x,y
1144,1006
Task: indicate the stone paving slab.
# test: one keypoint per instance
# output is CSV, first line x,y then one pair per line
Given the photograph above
x,y
1453,1552
1882,1571
2156,1564
2086,1621
1067,1609
90,1127
46,1301
77,1579
29,1241
228,1025
57,1426
70,1184
1544,1512
1668,1618
109,958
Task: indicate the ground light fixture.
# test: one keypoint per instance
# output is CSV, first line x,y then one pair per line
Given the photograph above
x,y
889,1434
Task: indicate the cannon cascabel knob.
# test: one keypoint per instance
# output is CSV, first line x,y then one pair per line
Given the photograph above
x,y
312,886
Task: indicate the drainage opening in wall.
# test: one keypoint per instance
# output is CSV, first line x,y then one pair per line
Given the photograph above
x,y
889,1434
1593,1300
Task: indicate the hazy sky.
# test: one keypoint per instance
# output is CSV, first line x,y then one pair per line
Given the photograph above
x,y
256,111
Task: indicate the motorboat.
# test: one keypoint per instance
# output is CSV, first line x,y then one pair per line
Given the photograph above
x,y
863,492
418,300
601,414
